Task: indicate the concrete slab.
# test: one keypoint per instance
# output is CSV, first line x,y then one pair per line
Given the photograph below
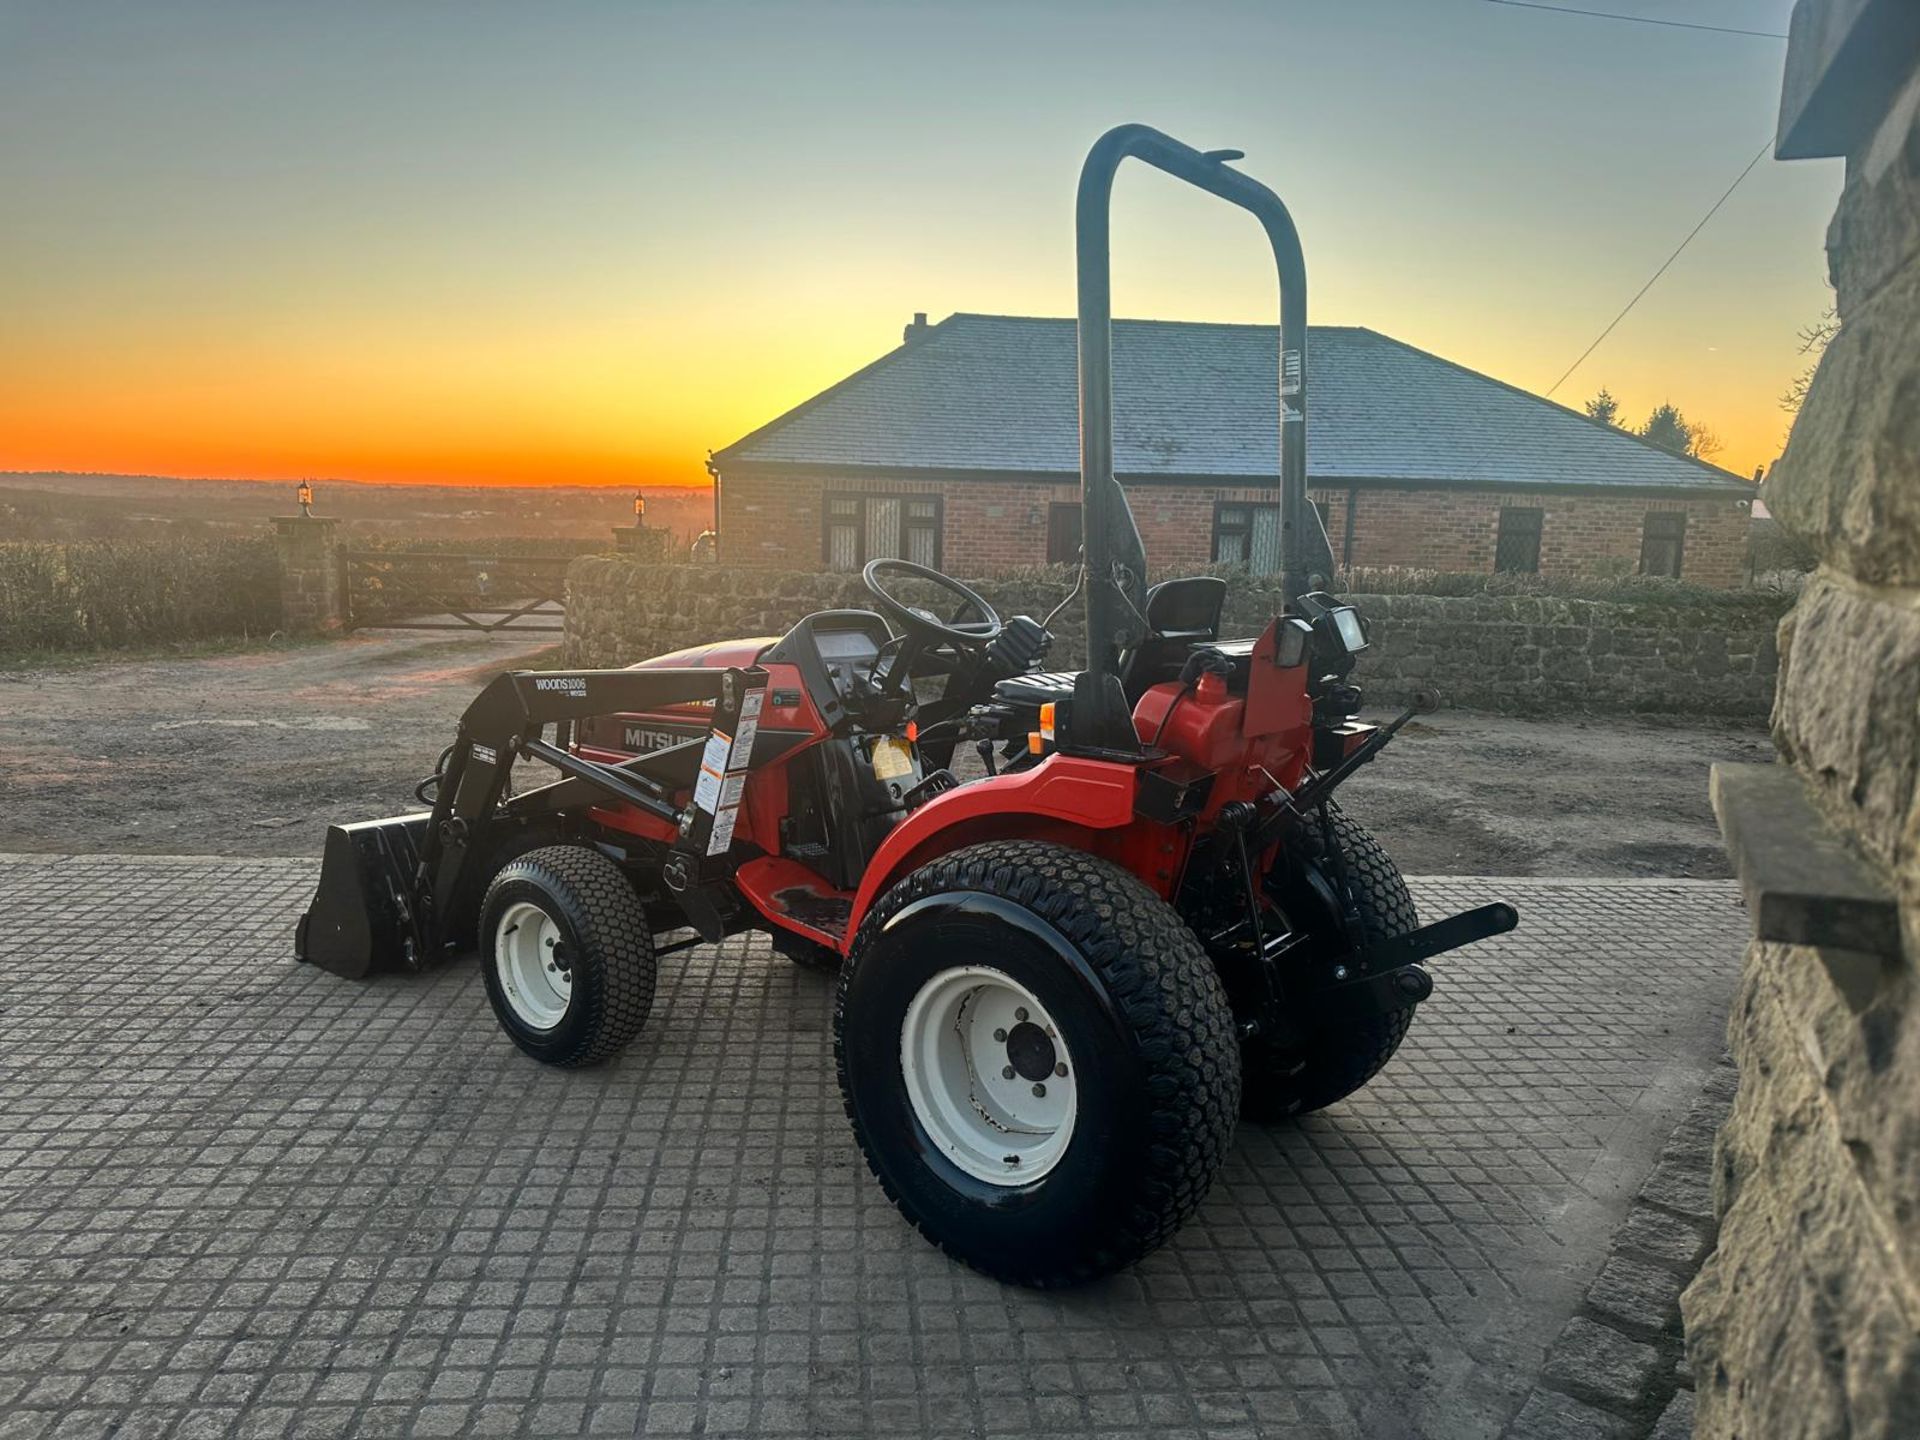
x,y
241,1197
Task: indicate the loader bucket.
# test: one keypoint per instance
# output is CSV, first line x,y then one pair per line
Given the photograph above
x,y
362,917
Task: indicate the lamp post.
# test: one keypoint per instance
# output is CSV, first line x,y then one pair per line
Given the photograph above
x,y
305,496
639,510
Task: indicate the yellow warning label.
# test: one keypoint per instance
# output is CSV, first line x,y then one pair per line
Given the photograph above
x,y
891,758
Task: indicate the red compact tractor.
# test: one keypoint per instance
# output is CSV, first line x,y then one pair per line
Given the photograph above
x,y
1060,983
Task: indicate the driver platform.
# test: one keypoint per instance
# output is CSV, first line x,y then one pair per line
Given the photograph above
x,y
242,1197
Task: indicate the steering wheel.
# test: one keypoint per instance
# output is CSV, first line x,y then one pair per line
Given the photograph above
x,y
922,629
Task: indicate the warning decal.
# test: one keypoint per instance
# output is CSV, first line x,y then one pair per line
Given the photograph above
x,y
713,766
749,727
723,772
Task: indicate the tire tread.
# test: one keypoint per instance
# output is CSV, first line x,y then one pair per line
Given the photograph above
x,y
1339,1063
611,924
1164,985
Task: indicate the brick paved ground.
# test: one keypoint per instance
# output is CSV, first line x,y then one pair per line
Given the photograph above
x,y
240,1197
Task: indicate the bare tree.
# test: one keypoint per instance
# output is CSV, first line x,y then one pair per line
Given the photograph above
x,y
1814,340
1702,443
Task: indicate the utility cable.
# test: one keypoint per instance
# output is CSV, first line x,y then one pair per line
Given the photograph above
x,y
1664,266
1638,19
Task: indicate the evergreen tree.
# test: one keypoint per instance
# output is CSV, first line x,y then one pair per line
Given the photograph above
x,y
1668,428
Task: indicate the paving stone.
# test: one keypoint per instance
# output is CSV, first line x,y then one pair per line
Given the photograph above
x,y
1593,1359
1681,1183
1549,1415
1676,1421
229,1181
1660,1236
1637,1293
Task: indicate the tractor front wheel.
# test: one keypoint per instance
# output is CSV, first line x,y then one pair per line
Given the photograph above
x,y
567,955
1038,1060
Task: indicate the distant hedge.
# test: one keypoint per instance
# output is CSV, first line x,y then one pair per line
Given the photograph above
x,y
98,594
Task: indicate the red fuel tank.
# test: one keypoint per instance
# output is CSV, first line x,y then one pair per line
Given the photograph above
x,y
1202,724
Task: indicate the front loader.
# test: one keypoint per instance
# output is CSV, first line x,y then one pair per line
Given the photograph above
x,y
1060,983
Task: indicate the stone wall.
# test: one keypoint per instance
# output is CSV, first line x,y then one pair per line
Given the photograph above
x,y
312,593
1516,653
988,526
1805,1321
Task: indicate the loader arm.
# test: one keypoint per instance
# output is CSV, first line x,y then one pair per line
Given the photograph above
x,y
390,889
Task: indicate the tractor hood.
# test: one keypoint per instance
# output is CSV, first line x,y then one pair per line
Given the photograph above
x,y
718,654
670,724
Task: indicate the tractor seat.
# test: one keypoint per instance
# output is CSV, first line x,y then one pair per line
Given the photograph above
x,y
1042,687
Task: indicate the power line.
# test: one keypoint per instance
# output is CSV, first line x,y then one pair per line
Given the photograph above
x,y
1714,210
1637,19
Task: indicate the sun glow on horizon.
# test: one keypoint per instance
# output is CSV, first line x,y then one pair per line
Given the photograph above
x,y
586,248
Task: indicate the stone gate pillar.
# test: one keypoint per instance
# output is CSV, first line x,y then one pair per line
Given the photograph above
x,y
648,544
312,588
1805,1320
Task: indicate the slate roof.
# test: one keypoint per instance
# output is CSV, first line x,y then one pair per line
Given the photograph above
x,y
996,394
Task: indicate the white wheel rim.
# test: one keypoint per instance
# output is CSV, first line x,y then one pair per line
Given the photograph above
x,y
536,986
966,1028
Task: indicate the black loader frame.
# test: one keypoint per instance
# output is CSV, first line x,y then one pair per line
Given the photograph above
x,y
403,887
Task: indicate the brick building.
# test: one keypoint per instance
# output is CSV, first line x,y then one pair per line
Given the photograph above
x,y
960,450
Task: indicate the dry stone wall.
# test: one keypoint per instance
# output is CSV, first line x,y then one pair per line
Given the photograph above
x,y
1520,654
1805,1320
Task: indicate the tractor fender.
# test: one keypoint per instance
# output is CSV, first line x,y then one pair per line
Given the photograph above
x,y
1064,798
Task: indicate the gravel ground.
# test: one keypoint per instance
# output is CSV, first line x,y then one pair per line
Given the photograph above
x,y
253,754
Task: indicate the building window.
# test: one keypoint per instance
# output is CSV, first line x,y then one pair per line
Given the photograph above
x,y
860,528
1516,547
1063,532
1663,540
1247,535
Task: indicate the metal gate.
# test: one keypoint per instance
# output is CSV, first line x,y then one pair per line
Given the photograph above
x,y
454,590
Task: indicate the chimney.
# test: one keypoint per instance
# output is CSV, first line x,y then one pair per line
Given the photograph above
x,y
917,330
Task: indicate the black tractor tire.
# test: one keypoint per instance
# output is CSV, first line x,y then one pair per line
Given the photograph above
x,y
604,945
1139,1009
1337,1060
807,954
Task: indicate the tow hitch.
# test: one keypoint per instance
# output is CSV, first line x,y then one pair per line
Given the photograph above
x,y
1389,976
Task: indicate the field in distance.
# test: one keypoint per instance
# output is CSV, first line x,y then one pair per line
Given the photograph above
x,y
54,506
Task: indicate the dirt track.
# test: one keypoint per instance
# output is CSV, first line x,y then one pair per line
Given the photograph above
x,y
253,754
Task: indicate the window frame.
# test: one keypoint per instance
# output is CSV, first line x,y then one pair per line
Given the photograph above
x,y
1678,540
1056,510
1501,535
1245,532
937,525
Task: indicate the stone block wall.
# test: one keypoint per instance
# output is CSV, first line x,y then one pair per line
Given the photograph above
x,y
1516,653
1805,1320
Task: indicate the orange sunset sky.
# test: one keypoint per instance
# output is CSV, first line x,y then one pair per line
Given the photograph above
x,y
586,242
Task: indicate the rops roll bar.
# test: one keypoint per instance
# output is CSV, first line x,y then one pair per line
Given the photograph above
x,y
1115,558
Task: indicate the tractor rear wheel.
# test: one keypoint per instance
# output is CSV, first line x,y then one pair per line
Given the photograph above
x,y
1337,1060
1038,1060
567,955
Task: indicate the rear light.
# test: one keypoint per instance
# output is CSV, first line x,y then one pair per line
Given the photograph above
x,y
1047,713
